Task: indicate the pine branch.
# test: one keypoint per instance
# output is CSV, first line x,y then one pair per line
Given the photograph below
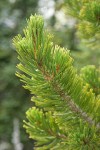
x,y
48,72
91,75
45,130
87,12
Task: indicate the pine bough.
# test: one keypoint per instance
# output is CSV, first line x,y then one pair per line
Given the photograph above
x,y
66,114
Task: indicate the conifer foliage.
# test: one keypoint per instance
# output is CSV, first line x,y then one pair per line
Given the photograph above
x,y
88,12
66,114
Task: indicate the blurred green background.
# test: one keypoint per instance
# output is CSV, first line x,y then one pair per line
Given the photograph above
x,y
14,100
